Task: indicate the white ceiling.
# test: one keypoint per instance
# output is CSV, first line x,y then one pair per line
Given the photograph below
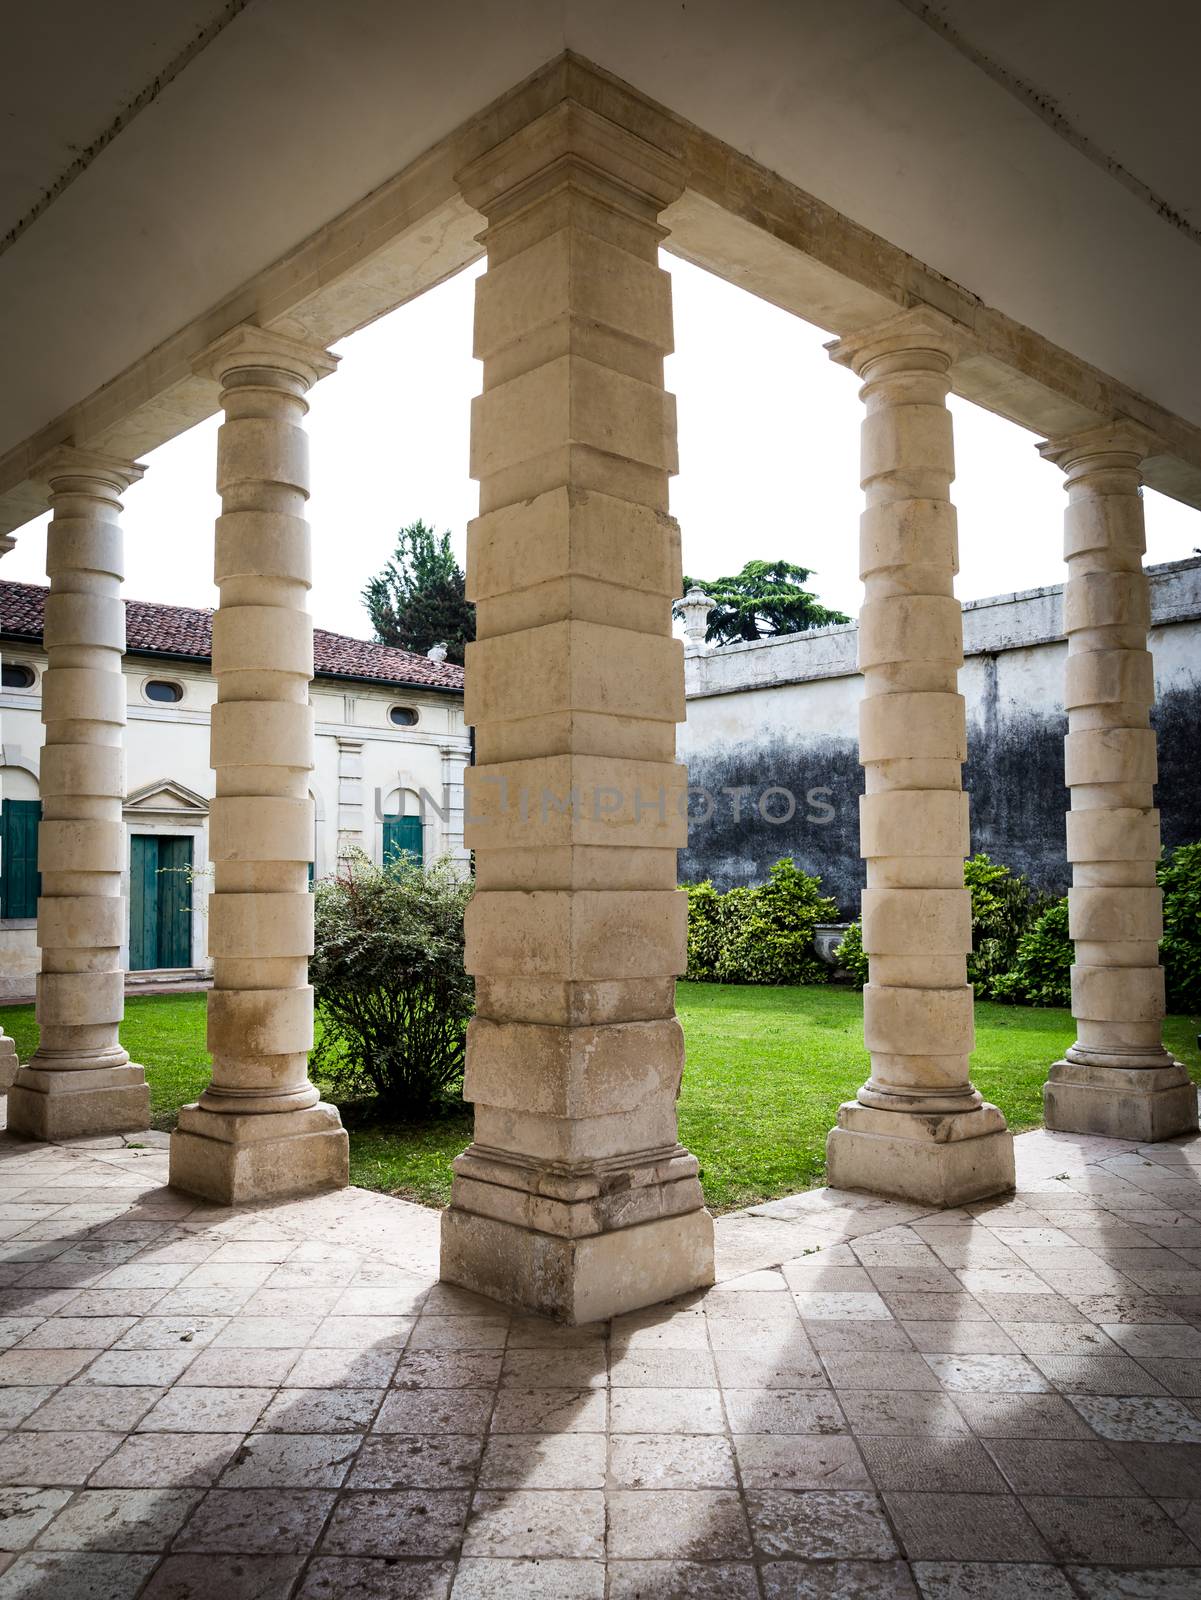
x,y
296,108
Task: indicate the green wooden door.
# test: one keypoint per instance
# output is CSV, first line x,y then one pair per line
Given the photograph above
x,y
19,881
160,902
402,836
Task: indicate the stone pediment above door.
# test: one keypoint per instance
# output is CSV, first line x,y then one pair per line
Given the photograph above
x,y
166,797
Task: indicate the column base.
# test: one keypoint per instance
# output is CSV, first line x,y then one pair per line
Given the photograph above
x,y
234,1159
578,1280
73,1105
937,1160
1143,1103
8,1062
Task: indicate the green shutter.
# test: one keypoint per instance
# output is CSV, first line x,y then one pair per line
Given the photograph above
x,y
402,836
143,902
19,881
160,902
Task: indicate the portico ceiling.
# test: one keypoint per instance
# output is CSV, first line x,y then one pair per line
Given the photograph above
x,y
241,129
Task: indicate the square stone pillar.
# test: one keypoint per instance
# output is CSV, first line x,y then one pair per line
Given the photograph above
x,y
918,1129
260,1129
455,758
576,1198
80,1080
1117,1079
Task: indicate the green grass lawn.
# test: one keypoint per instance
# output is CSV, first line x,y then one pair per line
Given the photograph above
x,y
767,1069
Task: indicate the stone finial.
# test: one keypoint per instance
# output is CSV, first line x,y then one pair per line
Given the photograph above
x,y
436,652
695,608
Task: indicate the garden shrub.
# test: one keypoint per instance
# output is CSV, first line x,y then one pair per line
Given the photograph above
x,y
758,935
1004,908
851,957
1179,877
390,983
1041,974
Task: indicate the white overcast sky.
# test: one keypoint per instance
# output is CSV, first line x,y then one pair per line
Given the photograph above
x,y
769,442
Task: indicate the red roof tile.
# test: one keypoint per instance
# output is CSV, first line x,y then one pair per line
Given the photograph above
x,y
186,632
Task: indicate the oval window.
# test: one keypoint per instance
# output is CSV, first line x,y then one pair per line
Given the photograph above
x,y
14,675
162,689
403,716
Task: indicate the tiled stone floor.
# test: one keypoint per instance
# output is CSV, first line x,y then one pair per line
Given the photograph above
x,y
1002,1401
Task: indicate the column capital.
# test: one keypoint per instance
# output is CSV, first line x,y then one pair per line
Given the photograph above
x,y
919,329
571,141
67,463
249,348
1121,440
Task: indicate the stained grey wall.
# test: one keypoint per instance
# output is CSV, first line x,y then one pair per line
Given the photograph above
x,y
781,714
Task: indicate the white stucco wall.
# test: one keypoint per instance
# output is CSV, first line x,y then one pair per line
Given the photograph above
x,y
169,782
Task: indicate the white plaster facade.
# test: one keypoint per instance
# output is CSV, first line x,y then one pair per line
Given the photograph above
x,y
365,769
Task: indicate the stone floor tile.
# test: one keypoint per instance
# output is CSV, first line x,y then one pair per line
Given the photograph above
x,y
783,1369
352,1578
1163,1470
901,1414
555,1369
544,1461
1171,1339
417,1461
1104,1583
165,1333
291,1461
987,1282
829,1306
671,1461
567,1523
439,1411
881,1370
228,1274
931,1463
1060,1338
832,1338
120,1519
1119,1531
1182,1377
206,1410
146,1275
819,1526
797,1461
114,1409
167,1460
670,1524
196,1577
1022,1416
1037,1307
955,1307
778,1411
239,1369
1063,1467
362,1333
1129,1306
1153,1420
1098,1375
666,1369
77,1333
540,1333
256,1521
931,1278
459,1333
49,1459
552,1410
342,1369
965,1527
682,1580
838,1580
375,1299
443,1369
321,1411
198,1301
990,1580
811,1274
991,1374
145,1368
663,1411
960,1338
25,1512
75,1575
266,1333
18,1402
531,1580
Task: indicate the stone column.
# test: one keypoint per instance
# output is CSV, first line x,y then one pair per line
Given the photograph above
x,y
454,762
918,1129
576,1198
260,1129
80,1080
8,1050
1117,1079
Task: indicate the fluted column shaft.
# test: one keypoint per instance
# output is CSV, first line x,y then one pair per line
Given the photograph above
x,y
259,1128
80,1079
1117,1078
576,1198
918,1128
